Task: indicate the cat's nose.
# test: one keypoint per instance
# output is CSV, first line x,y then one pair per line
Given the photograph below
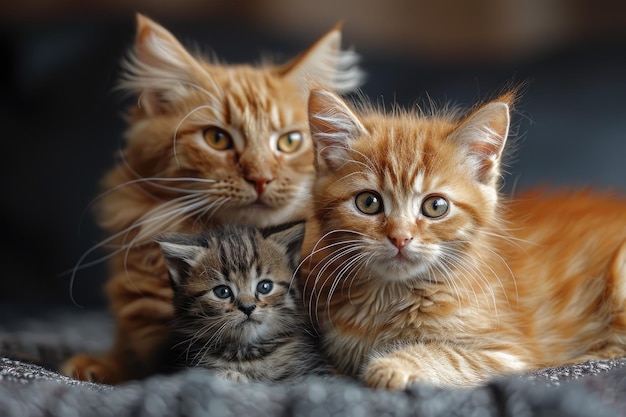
x,y
247,308
400,240
259,183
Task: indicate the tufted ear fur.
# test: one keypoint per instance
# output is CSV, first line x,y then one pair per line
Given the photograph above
x,y
181,253
483,134
333,125
159,69
325,64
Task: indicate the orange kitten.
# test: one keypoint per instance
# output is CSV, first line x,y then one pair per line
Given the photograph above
x,y
208,144
416,269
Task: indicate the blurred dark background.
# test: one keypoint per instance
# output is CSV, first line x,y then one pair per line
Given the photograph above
x,y
62,123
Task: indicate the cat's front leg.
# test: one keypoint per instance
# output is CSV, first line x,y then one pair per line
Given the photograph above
x,y
439,364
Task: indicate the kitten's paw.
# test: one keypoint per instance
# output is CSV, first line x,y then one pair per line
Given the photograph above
x,y
92,369
234,376
388,374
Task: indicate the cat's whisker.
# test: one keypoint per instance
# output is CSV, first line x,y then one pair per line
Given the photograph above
x,y
209,343
352,274
163,222
214,328
315,288
465,268
80,263
215,205
316,249
355,272
465,277
494,273
511,239
345,266
334,256
446,273
153,181
161,177
160,218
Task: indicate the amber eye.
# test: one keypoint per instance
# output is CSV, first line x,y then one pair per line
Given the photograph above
x,y
218,138
369,202
289,142
435,206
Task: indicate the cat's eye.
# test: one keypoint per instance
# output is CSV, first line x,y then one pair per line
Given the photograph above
x,y
289,142
222,291
218,138
369,202
264,287
435,206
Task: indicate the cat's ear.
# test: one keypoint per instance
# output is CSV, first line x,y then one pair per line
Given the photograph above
x,y
333,126
159,67
326,65
483,134
181,253
289,236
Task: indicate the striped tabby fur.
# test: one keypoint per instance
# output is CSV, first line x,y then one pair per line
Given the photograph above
x,y
237,312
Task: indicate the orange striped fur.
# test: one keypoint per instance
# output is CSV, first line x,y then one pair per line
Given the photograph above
x,y
208,144
405,288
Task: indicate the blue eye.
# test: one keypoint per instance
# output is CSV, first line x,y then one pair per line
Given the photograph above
x,y
222,291
264,287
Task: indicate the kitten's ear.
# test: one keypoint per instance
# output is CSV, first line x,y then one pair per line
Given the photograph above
x,y
290,237
159,67
325,64
484,133
181,253
333,126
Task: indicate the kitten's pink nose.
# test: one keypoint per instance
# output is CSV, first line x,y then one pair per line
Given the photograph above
x,y
259,184
400,239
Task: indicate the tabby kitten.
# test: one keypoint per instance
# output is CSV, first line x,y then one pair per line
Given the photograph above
x,y
416,269
208,144
237,311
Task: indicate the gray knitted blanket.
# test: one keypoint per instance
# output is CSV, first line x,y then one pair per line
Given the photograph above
x,y
32,347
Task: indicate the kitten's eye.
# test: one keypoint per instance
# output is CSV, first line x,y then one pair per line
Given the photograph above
x,y
369,202
222,291
290,142
265,287
218,138
435,207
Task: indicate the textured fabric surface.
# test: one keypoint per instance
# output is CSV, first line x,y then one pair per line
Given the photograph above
x,y
595,388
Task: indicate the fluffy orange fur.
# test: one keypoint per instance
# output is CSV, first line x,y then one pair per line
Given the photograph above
x,y
416,269
207,144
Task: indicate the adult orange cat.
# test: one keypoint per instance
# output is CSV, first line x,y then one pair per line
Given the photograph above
x,y
208,144
416,269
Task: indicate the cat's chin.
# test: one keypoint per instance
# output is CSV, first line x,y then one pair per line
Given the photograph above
x,y
252,330
400,270
258,215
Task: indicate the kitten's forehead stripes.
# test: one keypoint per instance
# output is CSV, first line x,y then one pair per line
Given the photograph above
x,y
237,250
